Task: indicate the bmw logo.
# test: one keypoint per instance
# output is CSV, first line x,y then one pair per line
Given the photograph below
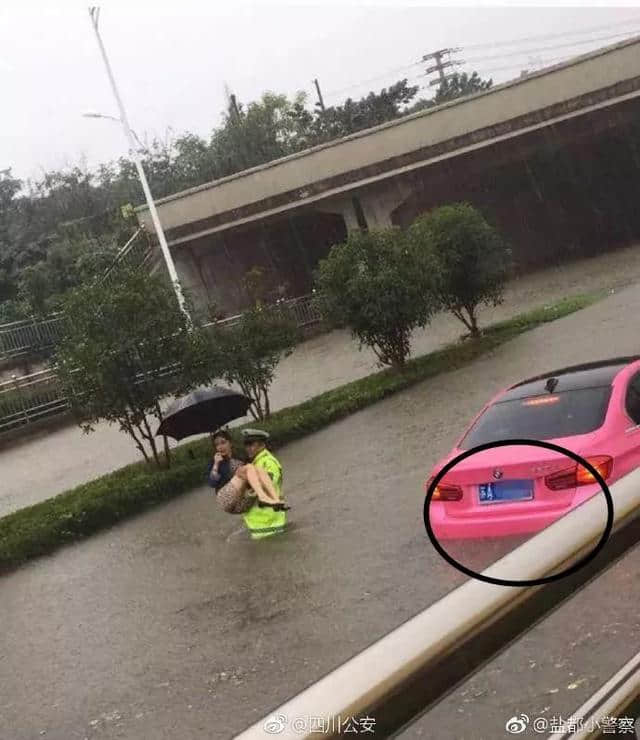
x,y
497,474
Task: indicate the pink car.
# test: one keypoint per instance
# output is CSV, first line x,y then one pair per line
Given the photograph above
x,y
592,410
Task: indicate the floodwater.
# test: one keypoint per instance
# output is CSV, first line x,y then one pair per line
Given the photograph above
x,y
53,461
173,625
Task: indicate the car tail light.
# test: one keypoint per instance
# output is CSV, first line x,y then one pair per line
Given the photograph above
x,y
445,492
579,475
602,464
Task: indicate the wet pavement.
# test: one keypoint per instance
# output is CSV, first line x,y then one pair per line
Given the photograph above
x,y
54,461
173,625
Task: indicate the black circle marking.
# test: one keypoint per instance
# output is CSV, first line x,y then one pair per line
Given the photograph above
x,y
533,581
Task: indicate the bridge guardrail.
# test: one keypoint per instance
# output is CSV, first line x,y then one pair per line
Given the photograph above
x,y
402,675
618,699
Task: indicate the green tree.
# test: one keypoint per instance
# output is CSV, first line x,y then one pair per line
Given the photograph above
x,y
126,346
68,263
46,219
460,85
373,283
13,310
194,163
81,204
249,352
353,115
35,287
78,203
465,258
6,286
456,86
9,188
265,131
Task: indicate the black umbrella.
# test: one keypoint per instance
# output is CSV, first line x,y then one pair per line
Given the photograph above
x,y
203,410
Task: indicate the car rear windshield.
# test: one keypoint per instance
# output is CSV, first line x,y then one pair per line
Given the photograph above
x,y
541,417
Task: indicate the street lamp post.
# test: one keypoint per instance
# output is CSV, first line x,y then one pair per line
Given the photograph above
x,y
107,117
94,13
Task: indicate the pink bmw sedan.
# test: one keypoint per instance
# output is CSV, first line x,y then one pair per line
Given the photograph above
x,y
592,410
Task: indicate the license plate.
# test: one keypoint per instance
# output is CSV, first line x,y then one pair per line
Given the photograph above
x,y
505,491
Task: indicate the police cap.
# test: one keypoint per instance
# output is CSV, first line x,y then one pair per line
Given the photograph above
x,y
254,435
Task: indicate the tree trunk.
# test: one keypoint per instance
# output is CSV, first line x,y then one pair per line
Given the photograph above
x,y
149,436
398,361
379,353
475,332
473,322
399,350
129,429
462,318
167,451
144,436
253,393
256,409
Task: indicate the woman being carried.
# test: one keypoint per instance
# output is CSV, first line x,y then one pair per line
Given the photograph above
x,y
238,484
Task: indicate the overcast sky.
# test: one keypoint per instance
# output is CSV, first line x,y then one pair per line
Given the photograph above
x,y
172,59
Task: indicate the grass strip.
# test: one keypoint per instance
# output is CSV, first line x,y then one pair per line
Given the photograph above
x,y
70,516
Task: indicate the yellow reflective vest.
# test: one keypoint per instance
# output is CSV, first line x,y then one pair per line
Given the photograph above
x,y
264,521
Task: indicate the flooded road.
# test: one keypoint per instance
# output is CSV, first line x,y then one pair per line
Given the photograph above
x,y
54,461
172,625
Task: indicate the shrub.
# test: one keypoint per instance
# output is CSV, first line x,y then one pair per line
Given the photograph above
x,y
248,352
465,259
374,284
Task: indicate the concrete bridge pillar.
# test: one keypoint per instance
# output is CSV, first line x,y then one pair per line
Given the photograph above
x,y
368,208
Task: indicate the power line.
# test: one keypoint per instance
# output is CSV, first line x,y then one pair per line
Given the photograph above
x,y
628,34
385,75
545,63
512,66
524,66
547,37
390,72
405,68
515,65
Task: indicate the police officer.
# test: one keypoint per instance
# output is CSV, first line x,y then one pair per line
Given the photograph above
x,y
263,521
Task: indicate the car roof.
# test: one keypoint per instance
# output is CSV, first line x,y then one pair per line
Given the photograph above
x,y
587,375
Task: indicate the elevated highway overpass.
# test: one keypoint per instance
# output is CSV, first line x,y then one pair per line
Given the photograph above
x,y
285,215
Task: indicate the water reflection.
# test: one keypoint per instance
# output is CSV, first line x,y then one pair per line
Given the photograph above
x,y
478,555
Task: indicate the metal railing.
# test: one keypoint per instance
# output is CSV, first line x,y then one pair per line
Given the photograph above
x,y
31,398
304,310
398,678
20,338
619,698
135,252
